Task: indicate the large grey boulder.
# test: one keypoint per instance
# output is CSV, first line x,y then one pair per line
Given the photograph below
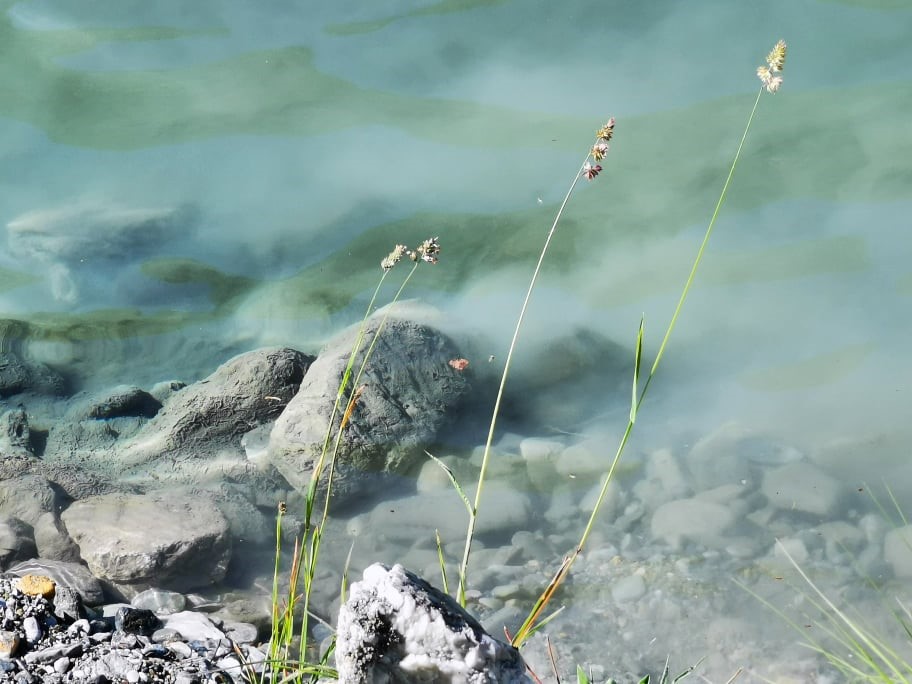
x,y
203,418
27,496
395,627
555,383
114,402
408,393
16,541
19,376
167,540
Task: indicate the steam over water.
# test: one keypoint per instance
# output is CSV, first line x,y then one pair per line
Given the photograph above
x,y
181,182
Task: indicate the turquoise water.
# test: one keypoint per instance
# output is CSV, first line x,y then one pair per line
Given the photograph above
x,y
290,145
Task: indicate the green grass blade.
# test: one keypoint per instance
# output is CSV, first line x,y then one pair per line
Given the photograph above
x,y
452,476
440,559
581,676
544,621
635,399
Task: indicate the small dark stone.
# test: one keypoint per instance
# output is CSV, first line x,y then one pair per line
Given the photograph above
x,y
136,621
67,604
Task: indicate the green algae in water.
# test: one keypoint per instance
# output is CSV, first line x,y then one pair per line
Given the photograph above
x,y
10,279
437,8
222,287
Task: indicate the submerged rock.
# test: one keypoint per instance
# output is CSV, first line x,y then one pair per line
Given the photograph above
x,y
18,376
115,402
162,539
395,627
70,242
249,390
406,395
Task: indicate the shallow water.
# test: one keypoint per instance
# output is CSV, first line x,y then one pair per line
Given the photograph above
x,y
296,143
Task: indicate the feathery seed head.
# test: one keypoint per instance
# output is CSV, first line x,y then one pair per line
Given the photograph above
x,y
605,132
775,61
776,58
426,251
393,257
599,150
590,171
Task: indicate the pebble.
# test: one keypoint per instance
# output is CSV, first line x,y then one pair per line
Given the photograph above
x,y
802,487
898,550
159,601
704,522
628,589
58,650
9,642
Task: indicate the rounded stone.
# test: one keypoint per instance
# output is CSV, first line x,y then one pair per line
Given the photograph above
x,y
37,585
628,589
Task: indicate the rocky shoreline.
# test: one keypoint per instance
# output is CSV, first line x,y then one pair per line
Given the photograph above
x,y
164,499
49,635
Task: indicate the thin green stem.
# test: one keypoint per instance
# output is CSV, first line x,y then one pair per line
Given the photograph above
x,y
525,631
318,468
473,515
367,355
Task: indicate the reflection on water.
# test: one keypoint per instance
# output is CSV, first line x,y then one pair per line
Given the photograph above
x,y
182,186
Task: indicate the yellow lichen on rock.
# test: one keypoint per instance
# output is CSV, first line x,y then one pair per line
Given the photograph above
x,y
37,585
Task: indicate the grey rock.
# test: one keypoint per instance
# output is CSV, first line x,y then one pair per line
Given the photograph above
x,y
16,542
704,522
159,539
898,551
241,632
553,384
159,601
67,604
115,402
541,456
136,621
27,496
193,626
53,540
52,653
395,627
32,629
246,391
74,576
804,487
628,589
18,376
15,435
164,390
414,519
410,392
732,453
62,665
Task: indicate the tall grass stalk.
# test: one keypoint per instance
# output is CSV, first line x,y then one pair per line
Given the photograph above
x,y
310,560
533,620
486,457
307,546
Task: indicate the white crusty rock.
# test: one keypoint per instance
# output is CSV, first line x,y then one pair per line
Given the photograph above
x,y
395,627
